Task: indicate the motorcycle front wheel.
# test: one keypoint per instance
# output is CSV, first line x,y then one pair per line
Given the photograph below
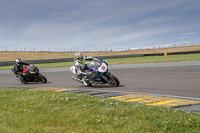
x,y
42,78
113,80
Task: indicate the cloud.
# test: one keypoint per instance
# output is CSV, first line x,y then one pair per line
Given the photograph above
x,y
97,24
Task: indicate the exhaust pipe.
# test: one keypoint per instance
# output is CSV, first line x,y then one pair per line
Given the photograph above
x,y
77,79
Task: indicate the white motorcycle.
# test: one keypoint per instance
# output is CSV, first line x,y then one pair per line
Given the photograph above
x,y
96,73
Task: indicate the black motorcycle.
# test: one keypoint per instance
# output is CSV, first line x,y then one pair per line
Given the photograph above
x,y
31,73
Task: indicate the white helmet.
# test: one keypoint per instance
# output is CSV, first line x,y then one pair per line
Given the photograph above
x,y
18,61
79,56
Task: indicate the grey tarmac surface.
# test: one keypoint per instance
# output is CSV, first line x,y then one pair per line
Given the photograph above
x,y
174,79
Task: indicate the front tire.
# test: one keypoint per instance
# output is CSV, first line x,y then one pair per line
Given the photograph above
x,y
42,78
113,80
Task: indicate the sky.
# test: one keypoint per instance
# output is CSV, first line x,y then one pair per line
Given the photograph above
x,y
75,25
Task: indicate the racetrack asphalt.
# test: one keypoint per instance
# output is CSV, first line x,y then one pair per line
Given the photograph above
x,y
172,79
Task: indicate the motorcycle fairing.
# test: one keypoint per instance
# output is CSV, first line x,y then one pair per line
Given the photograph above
x,y
103,68
73,69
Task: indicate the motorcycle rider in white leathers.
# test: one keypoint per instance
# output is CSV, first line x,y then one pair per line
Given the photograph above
x,y
79,63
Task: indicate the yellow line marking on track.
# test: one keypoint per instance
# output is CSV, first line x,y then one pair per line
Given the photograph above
x,y
63,90
51,89
127,97
155,100
177,102
132,99
42,89
159,102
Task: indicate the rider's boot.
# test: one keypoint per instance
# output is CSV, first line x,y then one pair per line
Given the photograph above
x,y
84,82
77,79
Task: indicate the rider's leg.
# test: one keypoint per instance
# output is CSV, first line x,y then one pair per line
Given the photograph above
x,y
13,70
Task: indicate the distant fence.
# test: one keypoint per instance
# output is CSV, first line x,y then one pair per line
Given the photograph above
x,y
8,63
37,49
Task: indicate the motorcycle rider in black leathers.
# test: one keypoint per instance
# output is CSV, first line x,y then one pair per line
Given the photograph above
x,y
18,67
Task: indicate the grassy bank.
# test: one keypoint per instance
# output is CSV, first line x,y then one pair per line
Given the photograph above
x,y
12,55
40,111
134,60
155,59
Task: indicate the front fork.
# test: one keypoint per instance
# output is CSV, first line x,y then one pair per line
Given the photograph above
x,y
105,77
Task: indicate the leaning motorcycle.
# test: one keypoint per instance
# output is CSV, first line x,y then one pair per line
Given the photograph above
x,y
31,73
97,73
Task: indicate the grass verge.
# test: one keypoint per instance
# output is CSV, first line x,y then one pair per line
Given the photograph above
x,y
12,55
41,111
134,60
155,59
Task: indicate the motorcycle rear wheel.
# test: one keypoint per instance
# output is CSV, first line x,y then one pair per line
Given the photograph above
x,y
42,78
113,80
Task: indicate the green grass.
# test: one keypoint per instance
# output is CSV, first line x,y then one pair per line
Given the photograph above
x,y
155,59
41,111
133,60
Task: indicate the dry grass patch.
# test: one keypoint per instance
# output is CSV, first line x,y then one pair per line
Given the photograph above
x,y
10,56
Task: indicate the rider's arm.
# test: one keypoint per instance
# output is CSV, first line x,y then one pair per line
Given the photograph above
x,y
16,68
88,58
23,63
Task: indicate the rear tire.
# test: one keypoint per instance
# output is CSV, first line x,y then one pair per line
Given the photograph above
x,y
113,80
42,78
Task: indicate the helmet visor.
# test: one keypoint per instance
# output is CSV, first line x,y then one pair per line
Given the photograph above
x,y
18,63
80,58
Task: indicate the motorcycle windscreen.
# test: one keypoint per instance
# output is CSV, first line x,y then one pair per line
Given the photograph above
x,y
33,69
94,64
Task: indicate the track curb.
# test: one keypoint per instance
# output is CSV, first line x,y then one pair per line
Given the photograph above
x,y
186,104
182,103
